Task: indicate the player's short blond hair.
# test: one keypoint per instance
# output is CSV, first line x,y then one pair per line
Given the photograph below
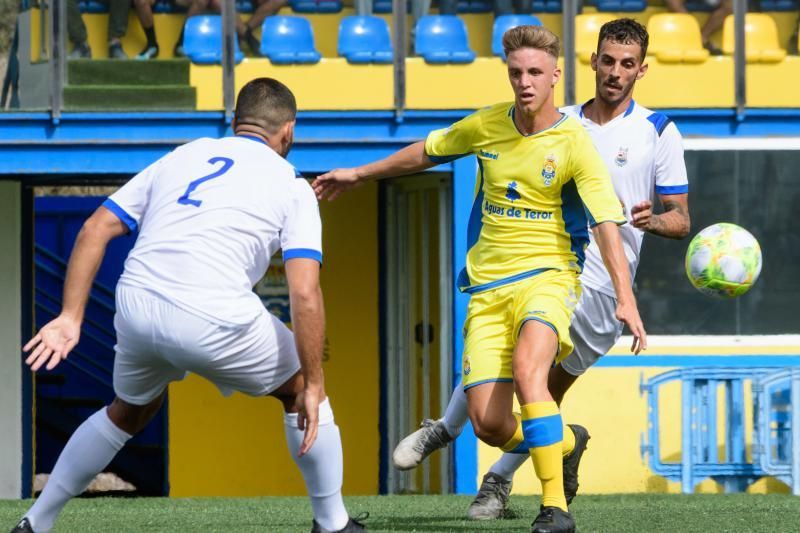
x,y
536,37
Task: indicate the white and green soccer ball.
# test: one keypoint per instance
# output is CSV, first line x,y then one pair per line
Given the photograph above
x,y
723,260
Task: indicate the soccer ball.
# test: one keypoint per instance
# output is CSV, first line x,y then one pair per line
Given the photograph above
x,y
723,260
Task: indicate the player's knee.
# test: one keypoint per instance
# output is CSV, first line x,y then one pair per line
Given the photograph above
x,y
489,430
132,418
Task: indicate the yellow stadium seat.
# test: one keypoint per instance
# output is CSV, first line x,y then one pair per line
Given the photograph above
x,y
761,39
675,38
587,27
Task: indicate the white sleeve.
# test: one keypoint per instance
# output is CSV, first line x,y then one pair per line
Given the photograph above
x,y
301,236
670,166
130,201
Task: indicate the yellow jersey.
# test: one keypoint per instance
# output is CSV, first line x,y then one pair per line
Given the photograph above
x,y
535,195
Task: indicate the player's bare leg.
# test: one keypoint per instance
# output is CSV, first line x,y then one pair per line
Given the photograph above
x,y
322,466
543,430
89,450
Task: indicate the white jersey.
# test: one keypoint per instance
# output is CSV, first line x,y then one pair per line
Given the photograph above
x,y
643,151
210,215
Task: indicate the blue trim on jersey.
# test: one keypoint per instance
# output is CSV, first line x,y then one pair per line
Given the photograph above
x,y
630,108
126,219
590,218
492,380
497,283
302,253
543,431
672,189
474,226
441,159
537,319
660,121
254,138
575,220
557,123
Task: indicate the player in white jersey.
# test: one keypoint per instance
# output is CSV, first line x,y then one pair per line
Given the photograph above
x,y
644,154
210,215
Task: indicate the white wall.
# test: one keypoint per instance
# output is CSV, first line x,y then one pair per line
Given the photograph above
x,y
10,342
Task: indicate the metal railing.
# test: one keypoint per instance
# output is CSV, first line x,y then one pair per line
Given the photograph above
x,y
53,48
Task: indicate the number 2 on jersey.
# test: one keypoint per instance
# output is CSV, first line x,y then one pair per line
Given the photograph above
x,y
226,166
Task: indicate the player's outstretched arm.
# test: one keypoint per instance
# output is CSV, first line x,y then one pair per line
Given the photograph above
x,y
308,322
409,160
57,338
610,245
673,223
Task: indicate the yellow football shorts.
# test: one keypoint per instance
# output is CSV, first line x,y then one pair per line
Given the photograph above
x,y
495,318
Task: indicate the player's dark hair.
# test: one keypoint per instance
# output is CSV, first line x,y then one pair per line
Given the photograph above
x,y
624,31
267,103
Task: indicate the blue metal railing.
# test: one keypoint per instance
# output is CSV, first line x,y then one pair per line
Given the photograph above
x,y
776,426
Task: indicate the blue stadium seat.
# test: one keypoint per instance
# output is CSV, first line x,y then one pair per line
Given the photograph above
x,y
365,39
546,6
442,39
202,40
621,5
287,40
93,6
779,5
167,6
503,23
245,6
474,6
316,6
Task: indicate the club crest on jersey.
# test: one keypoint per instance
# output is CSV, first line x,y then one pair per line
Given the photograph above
x,y
511,191
467,366
622,157
549,169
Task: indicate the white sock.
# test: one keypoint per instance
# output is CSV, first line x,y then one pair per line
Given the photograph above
x,y
508,464
93,445
321,467
455,416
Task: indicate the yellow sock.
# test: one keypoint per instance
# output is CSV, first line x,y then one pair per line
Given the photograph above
x,y
544,433
568,444
516,444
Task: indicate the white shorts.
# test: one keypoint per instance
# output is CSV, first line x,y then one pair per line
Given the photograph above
x,y
594,330
158,342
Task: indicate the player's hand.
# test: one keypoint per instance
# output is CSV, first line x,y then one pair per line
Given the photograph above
x,y
53,343
333,183
642,215
308,416
628,314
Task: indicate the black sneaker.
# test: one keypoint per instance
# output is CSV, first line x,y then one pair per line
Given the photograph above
x,y
353,525
491,502
81,51
573,460
712,48
23,527
149,52
553,520
115,51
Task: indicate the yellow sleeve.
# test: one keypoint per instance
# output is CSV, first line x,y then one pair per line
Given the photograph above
x,y
594,183
458,140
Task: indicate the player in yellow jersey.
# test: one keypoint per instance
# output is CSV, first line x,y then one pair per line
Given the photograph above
x,y
540,184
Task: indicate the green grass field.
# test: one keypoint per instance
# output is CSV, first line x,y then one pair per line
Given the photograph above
x,y
618,514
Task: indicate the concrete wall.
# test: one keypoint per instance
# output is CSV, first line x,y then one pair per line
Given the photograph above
x,y
10,342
